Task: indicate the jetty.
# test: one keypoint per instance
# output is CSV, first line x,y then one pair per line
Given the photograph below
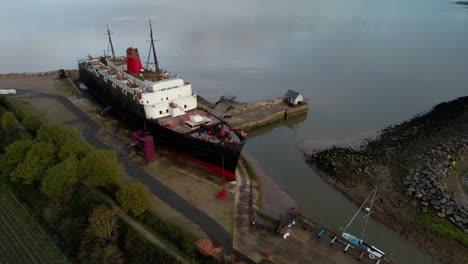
x,y
303,224
251,115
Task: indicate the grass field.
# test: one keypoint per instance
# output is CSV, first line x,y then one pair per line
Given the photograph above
x,y
21,238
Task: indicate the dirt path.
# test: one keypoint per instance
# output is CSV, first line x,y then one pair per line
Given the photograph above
x,y
137,226
455,184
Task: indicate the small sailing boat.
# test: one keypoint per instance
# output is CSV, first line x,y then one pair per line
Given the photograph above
x,y
373,251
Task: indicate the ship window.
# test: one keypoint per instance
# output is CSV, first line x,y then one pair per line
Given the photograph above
x,y
160,112
185,106
167,110
167,98
161,99
147,102
179,95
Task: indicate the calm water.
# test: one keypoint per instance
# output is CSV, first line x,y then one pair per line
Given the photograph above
x,y
362,64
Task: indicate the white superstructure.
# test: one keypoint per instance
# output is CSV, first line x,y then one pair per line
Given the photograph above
x,y
171,96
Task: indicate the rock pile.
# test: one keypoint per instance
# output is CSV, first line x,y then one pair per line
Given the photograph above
x,y
427,181
416,154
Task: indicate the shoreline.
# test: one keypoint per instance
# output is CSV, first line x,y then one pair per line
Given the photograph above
x,y
274,201
408,162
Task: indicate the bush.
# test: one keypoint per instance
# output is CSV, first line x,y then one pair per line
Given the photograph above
x,y
14,154
171,233
8,120
39,158
101,168
74,147
57,134
103,224
60,180
140,251
32,122
134,198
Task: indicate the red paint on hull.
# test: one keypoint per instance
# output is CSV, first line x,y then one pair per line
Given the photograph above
x,y
228,175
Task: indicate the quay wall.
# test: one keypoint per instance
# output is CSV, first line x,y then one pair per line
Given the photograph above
x,y
259,121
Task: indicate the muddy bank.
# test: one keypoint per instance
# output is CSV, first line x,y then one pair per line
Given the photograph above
x,y
410,165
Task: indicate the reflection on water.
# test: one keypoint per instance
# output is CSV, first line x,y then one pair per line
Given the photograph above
x,y
293,123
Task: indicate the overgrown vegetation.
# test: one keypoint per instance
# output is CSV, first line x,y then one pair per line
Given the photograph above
x,y
44,167
141,251
444,228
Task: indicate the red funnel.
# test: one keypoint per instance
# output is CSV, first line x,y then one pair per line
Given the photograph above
x,y
133,61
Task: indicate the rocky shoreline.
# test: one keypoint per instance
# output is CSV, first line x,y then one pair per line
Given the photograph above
x,y
410,165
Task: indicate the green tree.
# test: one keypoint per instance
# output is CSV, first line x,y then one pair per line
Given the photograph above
x,y
56,134
101,168
74,147
39,158
60,180
8,120
111,254
103,224
14,154
32,122
66,138
134,198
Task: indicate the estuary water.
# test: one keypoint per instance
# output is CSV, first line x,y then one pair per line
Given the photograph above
x,y
361,64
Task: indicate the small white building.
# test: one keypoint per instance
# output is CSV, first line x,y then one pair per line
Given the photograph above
x,y
293,97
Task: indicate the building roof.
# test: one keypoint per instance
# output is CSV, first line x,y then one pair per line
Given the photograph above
x,y
291,94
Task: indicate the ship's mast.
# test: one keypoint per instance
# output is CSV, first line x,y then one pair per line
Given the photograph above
x,y
357,212
369,213
154,49
110,41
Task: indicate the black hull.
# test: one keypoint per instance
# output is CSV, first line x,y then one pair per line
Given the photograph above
x,y
209,154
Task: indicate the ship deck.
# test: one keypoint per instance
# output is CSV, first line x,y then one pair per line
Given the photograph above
x,y
177,123
146,75
214,132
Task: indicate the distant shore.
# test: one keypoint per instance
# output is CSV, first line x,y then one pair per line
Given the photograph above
x,y
411,166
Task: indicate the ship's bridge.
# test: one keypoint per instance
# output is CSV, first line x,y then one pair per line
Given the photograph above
x,y
170,97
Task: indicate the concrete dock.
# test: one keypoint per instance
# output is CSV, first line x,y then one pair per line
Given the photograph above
x,y
247,116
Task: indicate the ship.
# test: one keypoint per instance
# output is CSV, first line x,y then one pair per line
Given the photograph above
x,y
164,105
